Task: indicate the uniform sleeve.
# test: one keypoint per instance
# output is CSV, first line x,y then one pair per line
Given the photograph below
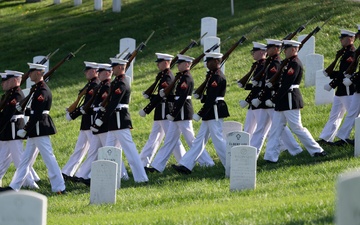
x,y
117,94
37,106
287,79
213,91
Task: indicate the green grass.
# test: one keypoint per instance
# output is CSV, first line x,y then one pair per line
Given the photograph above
x,y
297,190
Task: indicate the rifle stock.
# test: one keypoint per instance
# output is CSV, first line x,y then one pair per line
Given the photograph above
x,y
244,80
75,104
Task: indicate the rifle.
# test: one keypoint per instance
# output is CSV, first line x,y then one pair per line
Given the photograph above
x,y
153,86
138,49
244,80
198,93
171,86
191,45
275,78
240,41
352,68
79,98
46,76
43,61
258,76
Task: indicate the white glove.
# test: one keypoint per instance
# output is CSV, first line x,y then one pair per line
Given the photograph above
x,y
21,133
93,129
68,117
18,107
347,75
82,110
142,113
269,103
102,109
196,96
327,87
325,73
347,82
243,103
268,84
170,117
145,96
98,122
254,82
240,85
162,93
196,117
255,102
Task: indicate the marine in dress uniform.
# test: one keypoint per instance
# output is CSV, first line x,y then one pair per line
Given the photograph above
x,y
99,134
258,53
212,113
37,129
162,108
85,134
11,146
288,102
181,117
343,94
116,112
265,113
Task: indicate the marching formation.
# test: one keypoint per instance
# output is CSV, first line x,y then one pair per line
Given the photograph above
x,y
273,113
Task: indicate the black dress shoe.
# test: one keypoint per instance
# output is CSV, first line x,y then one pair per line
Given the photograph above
x,y
350,142
270,162
340,143
320,154
151,170
85,181
181,169
6,189
66,177
323,142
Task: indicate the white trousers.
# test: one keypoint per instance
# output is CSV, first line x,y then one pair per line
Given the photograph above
x,y
293,118
340,105
124,137
177,128
349,121
81,148
264,121
12,151
54,173
159,128
214,129
250,122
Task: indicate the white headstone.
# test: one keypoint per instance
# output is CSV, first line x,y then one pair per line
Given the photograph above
x,y
37,59
116,5
56,2
308,48
0,183
322,96
77,2
243,168
98,5
113,154
230,126
208,43
209,25
103,182
23,207
130,44
348,199
357,137
234,139
313,63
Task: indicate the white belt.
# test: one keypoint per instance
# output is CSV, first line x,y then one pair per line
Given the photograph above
x,y
177,97
122,106
219,98
294,86
43,112
95,109
16,117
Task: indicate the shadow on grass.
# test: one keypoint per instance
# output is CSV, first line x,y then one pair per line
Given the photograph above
x,y
321,220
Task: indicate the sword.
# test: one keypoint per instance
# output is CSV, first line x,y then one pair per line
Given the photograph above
x,y
182,113
216,112
290,100
13,129
37,128
163,110
120,54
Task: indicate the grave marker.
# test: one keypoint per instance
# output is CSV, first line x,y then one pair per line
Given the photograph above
x,y
243,168
23,207
103,182
234,139
357,137
322,96
209,25
113,154
230,126
313,63
130,44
